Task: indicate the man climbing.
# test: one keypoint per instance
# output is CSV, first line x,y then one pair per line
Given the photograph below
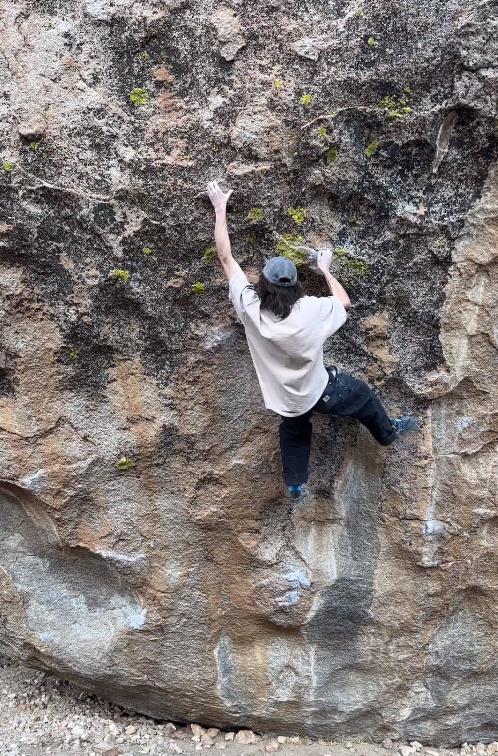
x,y
285,331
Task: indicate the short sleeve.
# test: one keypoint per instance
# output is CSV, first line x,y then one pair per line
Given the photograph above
x,y
241,293
332,314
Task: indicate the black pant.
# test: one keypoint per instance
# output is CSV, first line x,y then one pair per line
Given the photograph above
x,y
344,396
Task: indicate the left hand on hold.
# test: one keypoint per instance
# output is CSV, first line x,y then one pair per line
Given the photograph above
x,y
218,198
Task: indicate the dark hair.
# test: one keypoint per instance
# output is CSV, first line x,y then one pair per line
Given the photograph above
x,y
278,299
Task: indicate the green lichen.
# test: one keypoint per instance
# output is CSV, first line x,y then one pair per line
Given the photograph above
x,y
287,247
255,214
372,42
360,13
144,56
322,132
121,274
407,90
148,251
396,108
198,288
73,354
139,96
372,147
331,155
124,463
34,146
298,214
360,267
278,83
209,254
8,166
306,100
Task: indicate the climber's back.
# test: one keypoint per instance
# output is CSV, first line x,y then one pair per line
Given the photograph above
x,y
285,332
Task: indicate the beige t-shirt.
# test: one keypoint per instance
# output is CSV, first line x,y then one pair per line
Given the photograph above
x,y
288,353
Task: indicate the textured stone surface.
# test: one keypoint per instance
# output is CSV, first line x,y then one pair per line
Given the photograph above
x,y
185,586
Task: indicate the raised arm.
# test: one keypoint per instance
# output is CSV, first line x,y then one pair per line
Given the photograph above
x,y
323,264
219,201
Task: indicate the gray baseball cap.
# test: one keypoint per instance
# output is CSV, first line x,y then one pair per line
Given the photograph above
x,y
280,271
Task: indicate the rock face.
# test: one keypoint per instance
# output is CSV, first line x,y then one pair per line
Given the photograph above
x,y
147,551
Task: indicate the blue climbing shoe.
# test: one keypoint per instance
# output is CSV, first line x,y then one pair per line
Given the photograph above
x,y
296,492
403,424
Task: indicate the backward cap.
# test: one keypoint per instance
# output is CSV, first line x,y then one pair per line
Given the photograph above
x,y
280,271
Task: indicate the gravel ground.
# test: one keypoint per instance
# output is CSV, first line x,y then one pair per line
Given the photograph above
x,y
42,715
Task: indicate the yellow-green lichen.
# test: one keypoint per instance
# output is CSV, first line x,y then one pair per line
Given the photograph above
x,y
278,83
287,247
139,96
331,155
306,100
372,147
322,132
298,214
73,354
372,42
34,146
396,108
360,13
209,254
148,251
198,288
255,214
8,166
121,274
124,463
144,56
360,267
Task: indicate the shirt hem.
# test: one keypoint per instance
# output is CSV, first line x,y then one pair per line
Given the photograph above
x,y
303,411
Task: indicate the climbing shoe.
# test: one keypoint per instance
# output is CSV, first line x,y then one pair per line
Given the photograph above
x,y
403,424
295,492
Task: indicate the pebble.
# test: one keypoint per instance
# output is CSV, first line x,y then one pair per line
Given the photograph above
x,y
406,750
245,737
271,746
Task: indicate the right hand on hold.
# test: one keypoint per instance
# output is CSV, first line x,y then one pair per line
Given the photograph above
x,y
324,259
218,198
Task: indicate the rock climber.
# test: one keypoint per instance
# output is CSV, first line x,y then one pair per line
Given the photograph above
x,y
285,331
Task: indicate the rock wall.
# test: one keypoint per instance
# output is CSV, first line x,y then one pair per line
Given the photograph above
x,y
147,551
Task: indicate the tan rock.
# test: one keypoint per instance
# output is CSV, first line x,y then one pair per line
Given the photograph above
x,y
245,737
229,31
271,746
